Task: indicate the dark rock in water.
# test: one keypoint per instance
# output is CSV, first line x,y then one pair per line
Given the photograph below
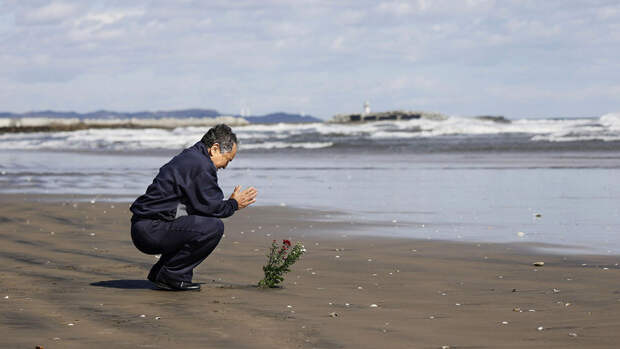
x,y
386,116
494,118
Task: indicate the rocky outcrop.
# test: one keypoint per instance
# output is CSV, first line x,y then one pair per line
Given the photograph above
x,y
387,115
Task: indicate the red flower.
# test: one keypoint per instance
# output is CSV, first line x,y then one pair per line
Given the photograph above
x,y
286,242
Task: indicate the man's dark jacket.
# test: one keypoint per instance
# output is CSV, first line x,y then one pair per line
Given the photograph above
x,y
189,179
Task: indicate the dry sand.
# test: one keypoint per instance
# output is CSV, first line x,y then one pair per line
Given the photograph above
x,y
71,278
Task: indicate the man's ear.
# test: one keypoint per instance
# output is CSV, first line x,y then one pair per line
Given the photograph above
x,y
215,148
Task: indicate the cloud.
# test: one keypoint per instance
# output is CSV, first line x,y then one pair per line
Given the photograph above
x,y
337,43
398,8
49,14
324,57
96,26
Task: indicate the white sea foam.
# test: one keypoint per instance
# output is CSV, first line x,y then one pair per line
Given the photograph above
x,y
93,139
605,128
130,139
317,135
454,125
611,121
281,145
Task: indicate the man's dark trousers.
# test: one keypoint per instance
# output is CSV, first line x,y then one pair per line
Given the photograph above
x,y
183,243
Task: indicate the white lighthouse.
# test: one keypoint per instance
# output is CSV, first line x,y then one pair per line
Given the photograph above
x,y
366,108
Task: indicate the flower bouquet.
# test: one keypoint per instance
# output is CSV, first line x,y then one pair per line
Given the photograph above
x,y
280,260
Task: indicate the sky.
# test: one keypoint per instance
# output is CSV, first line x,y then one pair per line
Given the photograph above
x,y
520,59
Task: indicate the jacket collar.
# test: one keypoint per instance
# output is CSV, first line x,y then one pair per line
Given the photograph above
x,y
202,148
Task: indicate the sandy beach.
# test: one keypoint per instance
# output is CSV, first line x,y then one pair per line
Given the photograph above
x,y
71,278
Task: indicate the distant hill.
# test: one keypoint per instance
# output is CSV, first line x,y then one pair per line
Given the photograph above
x,y
281,117
178,114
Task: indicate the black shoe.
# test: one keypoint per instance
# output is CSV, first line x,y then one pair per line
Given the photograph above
x,y
173,285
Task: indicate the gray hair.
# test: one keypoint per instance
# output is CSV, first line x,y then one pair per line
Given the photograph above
x,y
221,134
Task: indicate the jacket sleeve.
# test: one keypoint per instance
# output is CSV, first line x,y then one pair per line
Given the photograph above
x,y
205,198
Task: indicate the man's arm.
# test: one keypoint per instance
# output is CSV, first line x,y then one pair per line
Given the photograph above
x,y
204,197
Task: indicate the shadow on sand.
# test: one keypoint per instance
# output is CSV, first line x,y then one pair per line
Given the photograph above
x,y
126,284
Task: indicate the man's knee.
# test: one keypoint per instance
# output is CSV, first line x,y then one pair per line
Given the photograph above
x,y
220,226
211,225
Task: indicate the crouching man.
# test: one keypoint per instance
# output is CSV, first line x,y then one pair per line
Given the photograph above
x,y
179,215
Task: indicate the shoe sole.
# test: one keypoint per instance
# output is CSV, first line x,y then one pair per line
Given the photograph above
x,y
168,288
162,286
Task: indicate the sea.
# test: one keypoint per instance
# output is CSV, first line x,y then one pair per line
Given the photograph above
x,y
545,181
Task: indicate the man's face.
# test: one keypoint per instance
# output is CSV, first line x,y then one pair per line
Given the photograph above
x,y
221,160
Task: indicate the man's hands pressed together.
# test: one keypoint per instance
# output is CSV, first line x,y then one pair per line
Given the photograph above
x,y
244,198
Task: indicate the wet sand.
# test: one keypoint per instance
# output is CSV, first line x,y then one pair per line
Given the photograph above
x,y
71,278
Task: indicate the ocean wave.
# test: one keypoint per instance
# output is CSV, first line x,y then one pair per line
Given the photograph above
x,y
283,145
131,140
611,121
575,138
322,135
99,139
605,128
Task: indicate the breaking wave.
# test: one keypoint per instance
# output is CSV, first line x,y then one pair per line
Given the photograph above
x,y
526,132
605,128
